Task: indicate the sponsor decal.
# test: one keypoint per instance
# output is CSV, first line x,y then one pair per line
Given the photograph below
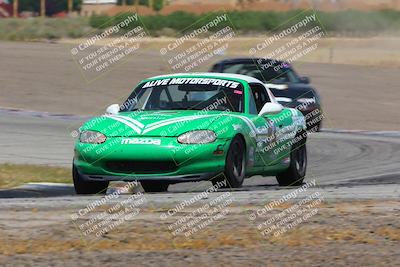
x,y
140,141
236,127
205,81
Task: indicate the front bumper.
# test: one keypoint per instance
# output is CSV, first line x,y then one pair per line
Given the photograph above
x,y
116,161
171,178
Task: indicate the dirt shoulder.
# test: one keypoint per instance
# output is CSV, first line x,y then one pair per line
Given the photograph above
x,y
341,233
378,51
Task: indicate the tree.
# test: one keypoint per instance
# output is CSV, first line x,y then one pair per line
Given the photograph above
x,y
158,4
15,8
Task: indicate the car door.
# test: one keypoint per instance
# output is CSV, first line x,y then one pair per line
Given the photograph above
x,y
285,132
265,132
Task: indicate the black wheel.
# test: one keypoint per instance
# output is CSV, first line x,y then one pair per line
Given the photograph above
x,y
315,128
235,164
83,187
154,186
318,127
314,123
294,175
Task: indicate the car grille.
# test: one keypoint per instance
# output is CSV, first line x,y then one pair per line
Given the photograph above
x,y
141,166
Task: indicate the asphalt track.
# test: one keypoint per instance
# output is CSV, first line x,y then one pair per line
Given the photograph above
x,y
336,158
356,176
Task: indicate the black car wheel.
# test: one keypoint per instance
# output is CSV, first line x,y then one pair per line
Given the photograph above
x,y
294,175
316,127
83,187
235,163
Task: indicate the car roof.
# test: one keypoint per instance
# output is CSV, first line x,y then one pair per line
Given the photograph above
x,y
247,60
246,78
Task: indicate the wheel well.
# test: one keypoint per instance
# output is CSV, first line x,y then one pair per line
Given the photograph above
x,y
242,137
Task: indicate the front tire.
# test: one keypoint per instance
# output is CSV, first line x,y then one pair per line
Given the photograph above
x,y
294,175
154,186
235,164
83,187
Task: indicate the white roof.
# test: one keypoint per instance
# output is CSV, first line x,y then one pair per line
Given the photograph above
x,y
212,74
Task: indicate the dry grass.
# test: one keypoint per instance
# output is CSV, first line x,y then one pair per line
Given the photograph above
x,y
12,175
214,237
389,232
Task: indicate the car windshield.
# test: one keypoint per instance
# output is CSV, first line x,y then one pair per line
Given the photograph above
x,y
186,94
265,73
293,94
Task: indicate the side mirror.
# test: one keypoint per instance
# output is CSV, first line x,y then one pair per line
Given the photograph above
x,y
305,80
270,108
112,109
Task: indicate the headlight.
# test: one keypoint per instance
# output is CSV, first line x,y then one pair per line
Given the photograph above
x,y
92,137
197,137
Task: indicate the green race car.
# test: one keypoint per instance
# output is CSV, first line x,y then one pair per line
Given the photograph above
x,y
191,127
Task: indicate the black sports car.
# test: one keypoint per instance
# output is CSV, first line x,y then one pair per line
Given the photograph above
x,y
289,89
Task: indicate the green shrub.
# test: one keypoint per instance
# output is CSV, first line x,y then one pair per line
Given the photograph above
x,y
43,28
343,22
349,21
100,21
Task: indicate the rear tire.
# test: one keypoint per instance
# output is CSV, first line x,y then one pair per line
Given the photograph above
x,y
83,187
154,186
294,175
317,127
235,164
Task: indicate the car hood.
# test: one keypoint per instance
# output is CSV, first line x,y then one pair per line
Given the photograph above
x,y
152,123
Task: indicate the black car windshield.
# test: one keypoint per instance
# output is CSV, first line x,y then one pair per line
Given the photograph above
x,y
294,94
186,94
265,73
